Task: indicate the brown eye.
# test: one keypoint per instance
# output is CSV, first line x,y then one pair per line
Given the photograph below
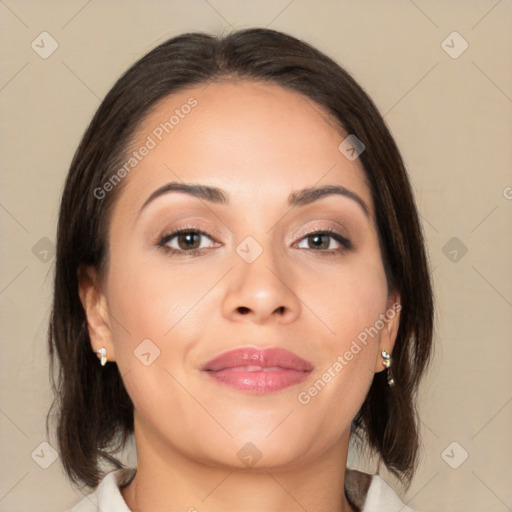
x,y
325,241
318,241
186,241
190,240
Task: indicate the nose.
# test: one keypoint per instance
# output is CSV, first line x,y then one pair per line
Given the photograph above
x,y
259,292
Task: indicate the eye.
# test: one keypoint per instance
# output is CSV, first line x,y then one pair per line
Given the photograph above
x,y
186,241
324,241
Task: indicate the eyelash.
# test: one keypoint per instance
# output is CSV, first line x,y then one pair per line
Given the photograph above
x,y
346,244
166,238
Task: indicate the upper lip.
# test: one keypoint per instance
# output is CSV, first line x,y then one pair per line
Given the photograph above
x,y
250,356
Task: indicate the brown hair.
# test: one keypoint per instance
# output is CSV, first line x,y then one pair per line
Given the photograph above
x,y
95,413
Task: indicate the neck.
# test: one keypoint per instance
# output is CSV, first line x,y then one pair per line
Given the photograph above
x,y
168,479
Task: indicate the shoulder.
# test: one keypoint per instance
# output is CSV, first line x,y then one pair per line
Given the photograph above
x,y
372,494
107,495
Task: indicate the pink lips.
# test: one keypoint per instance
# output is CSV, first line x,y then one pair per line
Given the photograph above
x,y
258,370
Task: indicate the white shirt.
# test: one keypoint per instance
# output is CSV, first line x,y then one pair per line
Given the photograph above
x,y
108,498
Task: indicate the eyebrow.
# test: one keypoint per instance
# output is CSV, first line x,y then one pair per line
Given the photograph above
x,y
218,196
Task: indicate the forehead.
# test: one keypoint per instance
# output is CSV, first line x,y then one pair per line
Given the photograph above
x,y
256,140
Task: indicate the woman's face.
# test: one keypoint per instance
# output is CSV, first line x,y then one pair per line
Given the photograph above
x,y
257,278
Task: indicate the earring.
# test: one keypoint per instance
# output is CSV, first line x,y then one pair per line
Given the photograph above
x,y
102,354
387,364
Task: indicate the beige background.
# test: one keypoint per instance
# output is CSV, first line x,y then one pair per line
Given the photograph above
x,y
451,118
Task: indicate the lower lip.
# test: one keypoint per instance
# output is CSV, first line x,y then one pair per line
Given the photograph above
x,y
259,381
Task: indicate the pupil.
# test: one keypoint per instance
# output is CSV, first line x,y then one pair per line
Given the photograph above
x,y
319,242
186,241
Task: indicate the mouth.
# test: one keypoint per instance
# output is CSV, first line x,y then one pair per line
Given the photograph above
x,y
258,370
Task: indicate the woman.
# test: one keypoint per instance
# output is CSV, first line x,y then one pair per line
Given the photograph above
x,y
239,246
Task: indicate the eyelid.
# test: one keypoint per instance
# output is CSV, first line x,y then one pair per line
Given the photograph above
x,y
322,228
188,225
335,235
165,237
171,233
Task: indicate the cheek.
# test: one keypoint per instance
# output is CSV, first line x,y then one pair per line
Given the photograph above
x,y
349,304
157,311
155,297
161,311
347,299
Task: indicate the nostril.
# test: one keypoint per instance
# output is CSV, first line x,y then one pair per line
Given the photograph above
x,y
280,310
243,310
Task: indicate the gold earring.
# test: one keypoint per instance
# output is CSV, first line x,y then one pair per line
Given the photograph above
x,y
102,354
387,361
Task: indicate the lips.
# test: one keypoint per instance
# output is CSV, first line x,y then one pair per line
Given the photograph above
x,y
258,370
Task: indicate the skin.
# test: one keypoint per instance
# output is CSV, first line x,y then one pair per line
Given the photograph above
x,y
259,143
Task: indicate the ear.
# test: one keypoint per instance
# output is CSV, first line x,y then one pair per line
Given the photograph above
x,y
95,306
391,320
